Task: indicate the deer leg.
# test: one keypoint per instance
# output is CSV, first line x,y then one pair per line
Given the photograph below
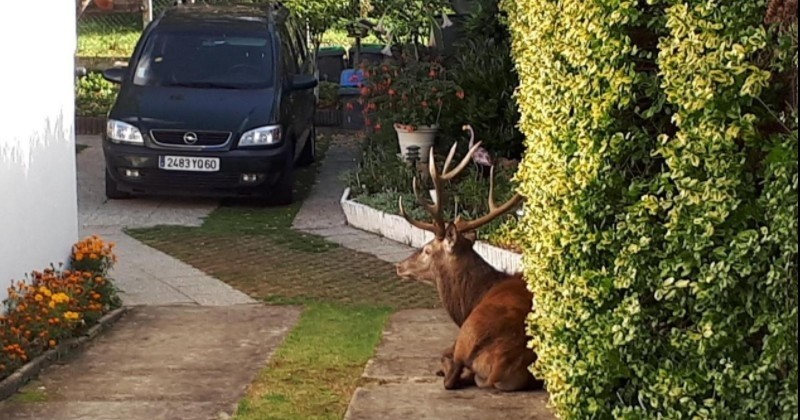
x,y
511,375
452,374
457,372
446,354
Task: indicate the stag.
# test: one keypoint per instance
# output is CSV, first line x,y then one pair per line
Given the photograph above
x,y
489,306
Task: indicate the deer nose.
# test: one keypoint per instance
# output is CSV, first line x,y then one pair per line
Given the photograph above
x,y
401,272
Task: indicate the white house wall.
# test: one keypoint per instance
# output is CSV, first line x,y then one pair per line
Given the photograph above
x,y
38,203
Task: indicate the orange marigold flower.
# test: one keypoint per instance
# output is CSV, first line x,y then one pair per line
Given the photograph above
x,y
72,316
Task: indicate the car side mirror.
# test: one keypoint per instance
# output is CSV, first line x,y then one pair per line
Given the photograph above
x,y
303,82
115,74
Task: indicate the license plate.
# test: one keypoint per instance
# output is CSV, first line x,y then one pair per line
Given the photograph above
x,y
188,163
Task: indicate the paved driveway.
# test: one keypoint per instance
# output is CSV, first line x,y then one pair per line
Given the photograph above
x,y
97,212
145,275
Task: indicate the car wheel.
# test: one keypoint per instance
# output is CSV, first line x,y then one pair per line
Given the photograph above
x,y
112,192
309,153
282,192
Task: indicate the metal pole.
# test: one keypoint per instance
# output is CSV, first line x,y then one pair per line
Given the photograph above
x,y
147,12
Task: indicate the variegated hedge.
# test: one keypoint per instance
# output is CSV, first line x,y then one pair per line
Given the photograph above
x,y
661,184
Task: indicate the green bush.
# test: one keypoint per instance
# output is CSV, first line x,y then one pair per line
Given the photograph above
x,y
661,183
482,66
328,95
94,95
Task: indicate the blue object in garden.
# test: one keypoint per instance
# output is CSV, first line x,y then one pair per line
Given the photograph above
x,y
351,78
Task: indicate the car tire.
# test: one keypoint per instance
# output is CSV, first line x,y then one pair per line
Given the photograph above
x,y
309,153
282,193
112,192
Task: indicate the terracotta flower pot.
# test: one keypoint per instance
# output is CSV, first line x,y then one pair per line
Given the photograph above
x,y
422,137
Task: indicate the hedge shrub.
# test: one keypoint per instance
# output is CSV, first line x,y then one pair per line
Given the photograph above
x,y
661,228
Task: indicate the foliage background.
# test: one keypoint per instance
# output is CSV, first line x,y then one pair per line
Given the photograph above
x,y
661,228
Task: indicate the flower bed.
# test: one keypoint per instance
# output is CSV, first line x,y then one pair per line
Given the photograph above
x,y
56,304
396,228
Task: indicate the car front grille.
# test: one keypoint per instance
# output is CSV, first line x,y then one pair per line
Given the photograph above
x,y
189,180
204,138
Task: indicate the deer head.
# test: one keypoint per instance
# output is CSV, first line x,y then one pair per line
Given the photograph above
x,y
449,255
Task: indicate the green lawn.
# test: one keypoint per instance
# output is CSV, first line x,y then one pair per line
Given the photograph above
x,y
315,371
108,38
116,36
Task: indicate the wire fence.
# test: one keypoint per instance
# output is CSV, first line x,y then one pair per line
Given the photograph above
x,y
110,28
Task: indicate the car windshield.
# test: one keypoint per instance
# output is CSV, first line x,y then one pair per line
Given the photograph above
x,y
206,60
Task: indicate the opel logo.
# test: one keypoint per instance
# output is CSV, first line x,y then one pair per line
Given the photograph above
x,y
190,138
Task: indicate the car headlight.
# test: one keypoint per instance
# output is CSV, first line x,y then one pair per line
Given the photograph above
x,y
120,132
261,136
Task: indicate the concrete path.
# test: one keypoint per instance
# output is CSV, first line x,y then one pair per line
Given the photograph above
x,y
159,363
321,213
144,275
401,383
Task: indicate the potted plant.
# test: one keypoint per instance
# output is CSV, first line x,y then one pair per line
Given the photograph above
x,y
409,96
328,113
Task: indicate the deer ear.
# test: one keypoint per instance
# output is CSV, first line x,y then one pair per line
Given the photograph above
x,y
451,236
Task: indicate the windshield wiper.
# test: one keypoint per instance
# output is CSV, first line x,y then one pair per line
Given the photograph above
x,y
207,85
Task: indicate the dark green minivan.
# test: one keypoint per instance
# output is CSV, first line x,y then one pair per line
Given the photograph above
x,y
215,101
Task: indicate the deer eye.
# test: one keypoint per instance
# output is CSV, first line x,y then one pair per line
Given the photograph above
x,y
427,251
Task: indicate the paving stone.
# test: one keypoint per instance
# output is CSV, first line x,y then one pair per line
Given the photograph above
x,y
322,209
95,211
188,362
421,401
401,380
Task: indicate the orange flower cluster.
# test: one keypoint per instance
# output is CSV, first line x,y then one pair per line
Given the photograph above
x,y
55,304
93,254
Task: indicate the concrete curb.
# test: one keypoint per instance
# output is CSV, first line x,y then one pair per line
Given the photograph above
x,y
396,228
23,375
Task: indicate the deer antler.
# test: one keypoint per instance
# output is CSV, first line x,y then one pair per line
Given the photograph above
x,y
495,211
435,209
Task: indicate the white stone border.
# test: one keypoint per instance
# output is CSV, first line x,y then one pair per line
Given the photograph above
x,y
396,228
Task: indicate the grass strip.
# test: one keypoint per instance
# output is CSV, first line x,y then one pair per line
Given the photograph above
x,y
314,373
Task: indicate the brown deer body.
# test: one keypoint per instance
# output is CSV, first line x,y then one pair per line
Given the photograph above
x,y
489,306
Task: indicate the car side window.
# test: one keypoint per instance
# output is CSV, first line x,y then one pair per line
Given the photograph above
x,y
298,44
302,53
288,53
